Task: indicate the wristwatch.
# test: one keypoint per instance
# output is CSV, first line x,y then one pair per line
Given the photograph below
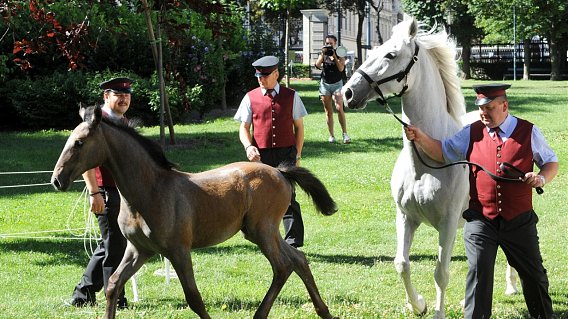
x,y
542,179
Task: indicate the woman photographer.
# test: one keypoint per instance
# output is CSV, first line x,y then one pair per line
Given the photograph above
x,y
330,85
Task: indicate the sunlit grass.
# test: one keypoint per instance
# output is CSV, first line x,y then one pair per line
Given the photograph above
x,y
350,253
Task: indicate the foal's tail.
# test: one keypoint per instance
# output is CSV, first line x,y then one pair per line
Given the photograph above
x,y
312,186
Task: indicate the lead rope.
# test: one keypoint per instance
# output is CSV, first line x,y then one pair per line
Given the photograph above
x,y
493,176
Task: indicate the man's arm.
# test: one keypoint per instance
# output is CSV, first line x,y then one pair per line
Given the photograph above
x,y
246,139
548,171
299,134
95,198
430,146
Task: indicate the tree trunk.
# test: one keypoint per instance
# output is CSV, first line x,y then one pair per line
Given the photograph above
x,y
222,76
164,104
466,54
286,40
526,59
555,74
361,17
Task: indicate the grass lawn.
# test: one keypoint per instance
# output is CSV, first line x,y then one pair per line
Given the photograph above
x,y
351,253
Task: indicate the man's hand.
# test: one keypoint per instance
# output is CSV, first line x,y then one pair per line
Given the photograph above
x,y
97,203
252,153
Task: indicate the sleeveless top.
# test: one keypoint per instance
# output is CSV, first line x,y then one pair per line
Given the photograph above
x,y
330,73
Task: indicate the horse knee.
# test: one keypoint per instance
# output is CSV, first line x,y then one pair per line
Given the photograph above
x,y
401,265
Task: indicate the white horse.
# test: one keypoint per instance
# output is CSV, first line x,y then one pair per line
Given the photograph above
x,y
421,67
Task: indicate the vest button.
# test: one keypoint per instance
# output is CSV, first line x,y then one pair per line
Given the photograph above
x,y
498,186
499,155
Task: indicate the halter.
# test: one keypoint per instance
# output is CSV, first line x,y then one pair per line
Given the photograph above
x,y
384,101
398,76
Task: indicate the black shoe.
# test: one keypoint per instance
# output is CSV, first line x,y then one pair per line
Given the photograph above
x,y
122,303
80,302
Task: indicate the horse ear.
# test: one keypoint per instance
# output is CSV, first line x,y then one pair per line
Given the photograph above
x,y
90,114
413,28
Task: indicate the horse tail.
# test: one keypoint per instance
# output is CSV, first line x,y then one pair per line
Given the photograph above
x,y
312,186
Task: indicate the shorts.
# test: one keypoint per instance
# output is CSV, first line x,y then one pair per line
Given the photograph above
x,y
330,89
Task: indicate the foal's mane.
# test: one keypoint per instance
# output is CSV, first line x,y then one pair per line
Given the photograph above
x,y
154,149
443,51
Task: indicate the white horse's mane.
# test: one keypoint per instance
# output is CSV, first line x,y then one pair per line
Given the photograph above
x,y
443,51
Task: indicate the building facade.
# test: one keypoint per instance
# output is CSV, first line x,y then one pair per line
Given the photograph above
x,y
317,23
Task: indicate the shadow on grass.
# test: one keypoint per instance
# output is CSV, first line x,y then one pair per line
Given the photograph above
x,y
64,252
57,252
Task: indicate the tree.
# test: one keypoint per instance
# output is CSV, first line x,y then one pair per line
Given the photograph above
x,y
548,18
287,6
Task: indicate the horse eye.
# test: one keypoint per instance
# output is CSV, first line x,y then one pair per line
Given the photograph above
x,y
390,56
78,143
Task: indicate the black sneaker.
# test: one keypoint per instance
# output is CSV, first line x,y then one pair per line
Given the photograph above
x,y
80,302
122,303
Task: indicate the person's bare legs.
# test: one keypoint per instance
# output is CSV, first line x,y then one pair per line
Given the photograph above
x,y
341,116
328,108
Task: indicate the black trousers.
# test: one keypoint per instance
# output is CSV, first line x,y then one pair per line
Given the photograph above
x,y
293,223
107,255
519,240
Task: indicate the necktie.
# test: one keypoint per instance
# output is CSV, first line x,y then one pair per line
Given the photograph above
x,y
269,93
496,136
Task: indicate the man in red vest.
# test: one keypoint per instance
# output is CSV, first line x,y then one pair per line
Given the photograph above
x,y
499,213
272,132
105,203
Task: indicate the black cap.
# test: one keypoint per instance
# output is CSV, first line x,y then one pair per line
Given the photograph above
x,y
117,85
265,65
488,92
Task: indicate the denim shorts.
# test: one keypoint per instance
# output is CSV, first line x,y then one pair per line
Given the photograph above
x,y
330,89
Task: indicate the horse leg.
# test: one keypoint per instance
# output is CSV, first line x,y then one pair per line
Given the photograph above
x,y
511,279
404,235
181,261
284,259
446,240
131,262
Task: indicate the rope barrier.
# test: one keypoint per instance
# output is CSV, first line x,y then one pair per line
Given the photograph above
x,y
17,173
30,185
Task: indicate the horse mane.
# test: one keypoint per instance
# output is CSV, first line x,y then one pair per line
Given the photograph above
x,y
154,149
443,51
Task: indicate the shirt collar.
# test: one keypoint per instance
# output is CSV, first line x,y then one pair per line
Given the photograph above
x,y
507,126
276,89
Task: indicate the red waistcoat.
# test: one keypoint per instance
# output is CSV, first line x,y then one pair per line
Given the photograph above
x,y
272,118
104,178
494,198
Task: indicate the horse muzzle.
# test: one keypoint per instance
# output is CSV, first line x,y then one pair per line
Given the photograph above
x,y
350,101
57,184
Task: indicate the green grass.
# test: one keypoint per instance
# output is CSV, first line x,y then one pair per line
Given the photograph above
x,y
350,253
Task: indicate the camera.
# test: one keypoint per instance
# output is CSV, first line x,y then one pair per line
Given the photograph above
x,y
328,50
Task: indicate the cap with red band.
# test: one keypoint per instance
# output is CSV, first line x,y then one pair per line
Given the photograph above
x,y
488,92
117,85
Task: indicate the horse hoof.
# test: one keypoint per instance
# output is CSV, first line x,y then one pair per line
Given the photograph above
x,y
511,291
420,308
